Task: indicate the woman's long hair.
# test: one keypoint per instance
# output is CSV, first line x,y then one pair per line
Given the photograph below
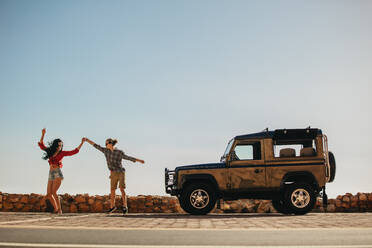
x,y
51,150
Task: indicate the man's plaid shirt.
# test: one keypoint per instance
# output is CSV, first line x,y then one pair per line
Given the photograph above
x,y
114,158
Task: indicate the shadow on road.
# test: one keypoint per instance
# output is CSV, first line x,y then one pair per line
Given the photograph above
x,y
187,216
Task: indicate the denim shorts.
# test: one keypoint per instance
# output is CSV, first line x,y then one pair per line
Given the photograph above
x,y
55,173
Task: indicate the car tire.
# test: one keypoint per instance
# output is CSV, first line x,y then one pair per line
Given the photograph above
x,y
299,198
198,198
278,204
183,205
332,164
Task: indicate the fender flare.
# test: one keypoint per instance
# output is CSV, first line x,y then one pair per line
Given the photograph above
x,y
304,176
186,179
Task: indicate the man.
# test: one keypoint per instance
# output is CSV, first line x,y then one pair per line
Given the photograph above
x,y
117,172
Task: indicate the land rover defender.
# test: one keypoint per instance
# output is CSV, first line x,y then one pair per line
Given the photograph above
x,y
288,166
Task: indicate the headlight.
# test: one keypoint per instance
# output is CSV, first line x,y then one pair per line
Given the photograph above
x,y
171,179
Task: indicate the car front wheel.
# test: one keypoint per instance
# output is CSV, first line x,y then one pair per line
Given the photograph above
x,y
198,198
278,204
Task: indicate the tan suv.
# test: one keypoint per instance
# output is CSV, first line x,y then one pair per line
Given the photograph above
x,y
288,166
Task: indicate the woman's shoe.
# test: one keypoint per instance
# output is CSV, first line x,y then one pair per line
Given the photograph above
x,y
59,211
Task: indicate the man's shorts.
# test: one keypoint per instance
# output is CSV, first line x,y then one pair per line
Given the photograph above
x,y
117,177
54,174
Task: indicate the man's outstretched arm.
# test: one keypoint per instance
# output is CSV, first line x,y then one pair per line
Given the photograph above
x,y
98,147
140,160
133,159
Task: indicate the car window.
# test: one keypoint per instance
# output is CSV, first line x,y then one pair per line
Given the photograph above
x,y
294,149
278,148
247,151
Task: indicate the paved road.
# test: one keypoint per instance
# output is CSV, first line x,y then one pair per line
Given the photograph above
x,y
168,230
78,236
183,221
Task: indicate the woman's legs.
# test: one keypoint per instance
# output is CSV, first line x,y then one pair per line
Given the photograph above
x,y
49,195
55,186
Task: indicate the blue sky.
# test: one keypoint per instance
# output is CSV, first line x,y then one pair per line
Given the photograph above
x,y
173,81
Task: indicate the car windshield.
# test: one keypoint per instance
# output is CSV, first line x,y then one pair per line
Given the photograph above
x,y
228,148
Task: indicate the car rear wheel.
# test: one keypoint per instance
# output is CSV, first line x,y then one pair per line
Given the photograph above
x,y
198,198
299,198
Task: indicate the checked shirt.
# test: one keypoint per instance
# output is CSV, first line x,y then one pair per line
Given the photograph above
x,y
114,158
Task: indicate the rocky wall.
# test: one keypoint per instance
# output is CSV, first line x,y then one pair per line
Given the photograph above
x,y
88,204
361,202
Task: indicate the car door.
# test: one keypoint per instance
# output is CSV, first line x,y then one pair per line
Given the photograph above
x,y
246,170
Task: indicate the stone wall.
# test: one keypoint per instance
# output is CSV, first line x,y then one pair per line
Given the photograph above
x,y
361,202
88,204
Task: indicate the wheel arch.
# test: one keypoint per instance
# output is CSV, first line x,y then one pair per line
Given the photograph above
x,y
300,176
207,178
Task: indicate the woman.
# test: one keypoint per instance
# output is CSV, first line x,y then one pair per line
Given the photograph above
x,y
54,154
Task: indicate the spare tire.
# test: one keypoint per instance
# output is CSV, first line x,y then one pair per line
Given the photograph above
x,y
332,164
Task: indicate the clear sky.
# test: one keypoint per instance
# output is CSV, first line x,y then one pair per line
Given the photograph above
x,y
173,81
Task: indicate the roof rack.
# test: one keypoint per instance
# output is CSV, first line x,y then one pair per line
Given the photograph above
x,y
294,134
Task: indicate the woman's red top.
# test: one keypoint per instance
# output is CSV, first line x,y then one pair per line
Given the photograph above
x,y
57,159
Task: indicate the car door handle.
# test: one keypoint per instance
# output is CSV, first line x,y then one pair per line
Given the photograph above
x,y
258,170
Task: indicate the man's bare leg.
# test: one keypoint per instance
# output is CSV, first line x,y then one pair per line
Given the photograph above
x,y
112,198
124,197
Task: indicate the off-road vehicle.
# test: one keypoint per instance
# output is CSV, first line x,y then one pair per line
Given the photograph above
x,y
288,166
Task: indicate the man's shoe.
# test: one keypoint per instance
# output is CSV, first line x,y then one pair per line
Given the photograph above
x,y
125,210
111,210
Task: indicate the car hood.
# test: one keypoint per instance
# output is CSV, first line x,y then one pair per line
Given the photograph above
x,y
201,166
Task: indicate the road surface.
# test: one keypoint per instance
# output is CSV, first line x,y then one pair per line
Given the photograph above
x,y
154,230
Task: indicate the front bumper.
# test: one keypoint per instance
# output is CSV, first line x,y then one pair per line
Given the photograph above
x,y
170,182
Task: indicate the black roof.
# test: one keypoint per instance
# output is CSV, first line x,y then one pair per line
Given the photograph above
x,y
284,134
265,134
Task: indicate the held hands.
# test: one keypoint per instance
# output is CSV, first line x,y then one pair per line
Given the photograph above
x,y
81,144
88,140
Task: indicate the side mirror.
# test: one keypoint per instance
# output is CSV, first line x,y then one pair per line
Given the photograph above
x,y
225,159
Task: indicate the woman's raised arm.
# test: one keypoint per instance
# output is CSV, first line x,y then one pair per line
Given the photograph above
x,y
41,143
76,150
81,144
42,135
